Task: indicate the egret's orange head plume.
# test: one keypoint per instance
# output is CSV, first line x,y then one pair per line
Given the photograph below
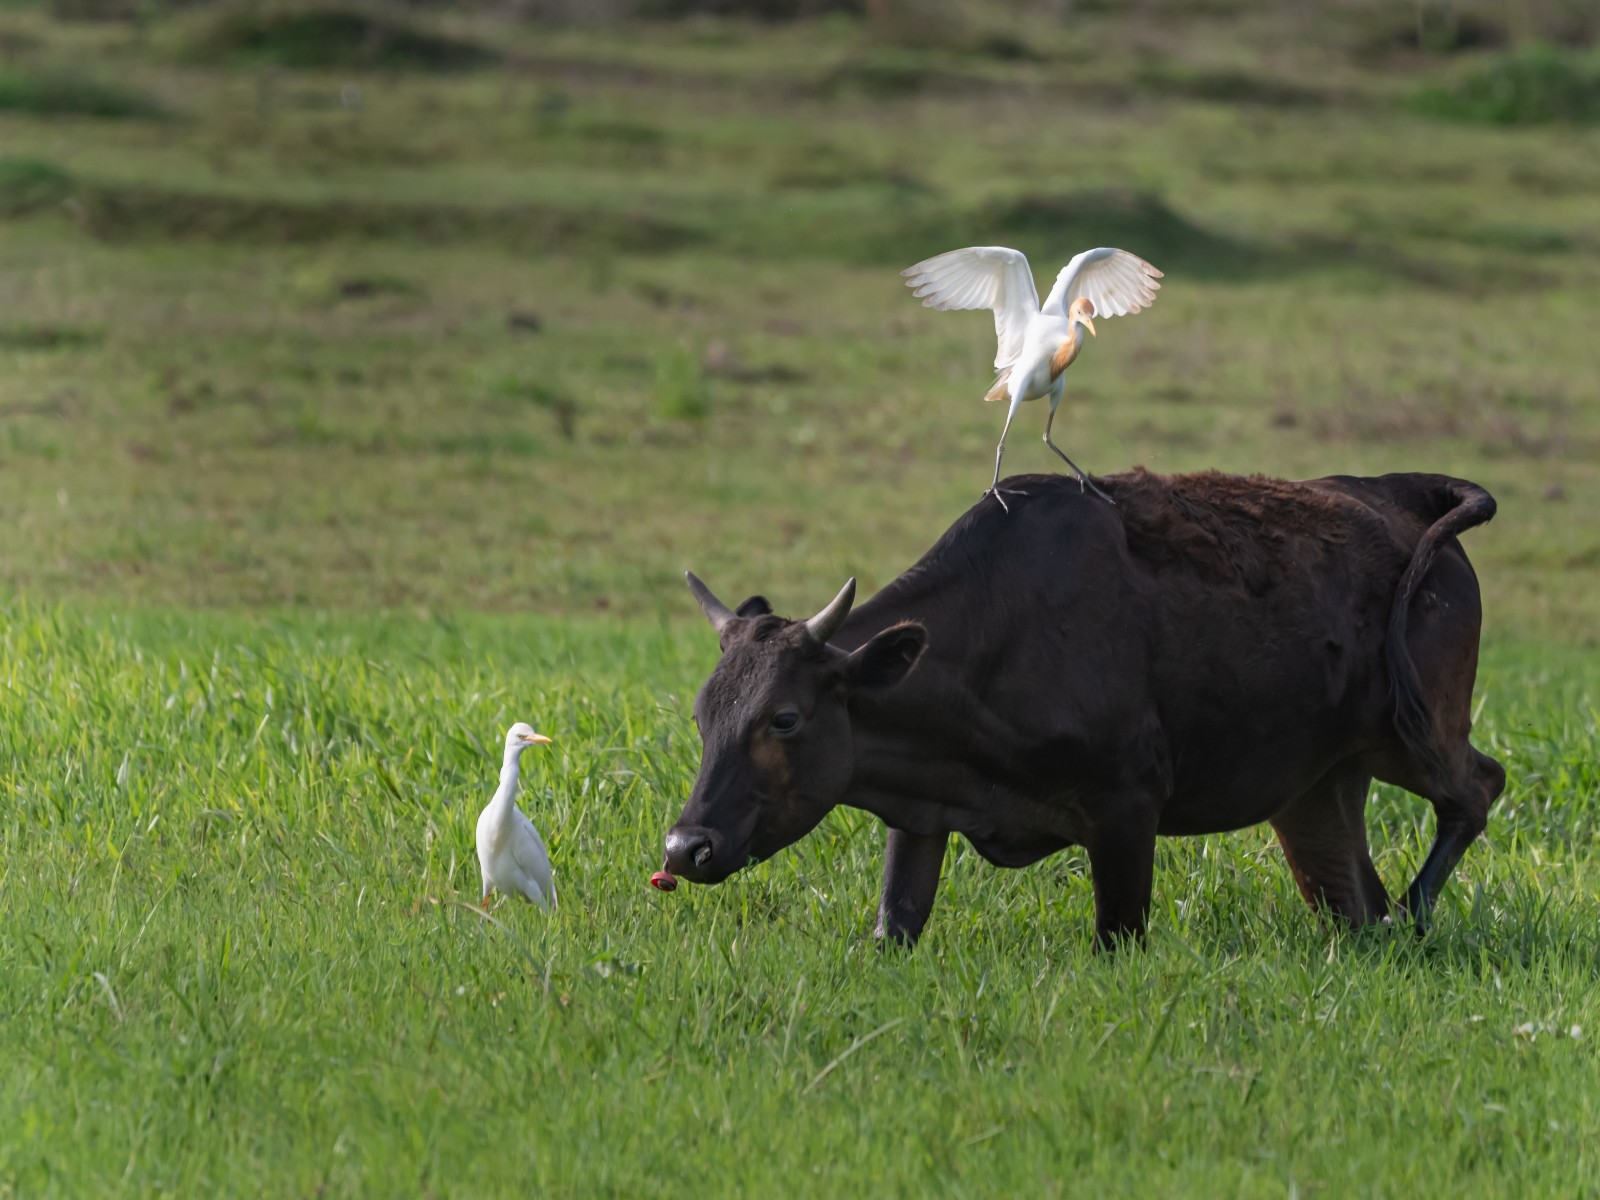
x,y
1081,310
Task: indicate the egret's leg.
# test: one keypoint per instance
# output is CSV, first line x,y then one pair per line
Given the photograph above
x,y
999,452
1083,479
485,904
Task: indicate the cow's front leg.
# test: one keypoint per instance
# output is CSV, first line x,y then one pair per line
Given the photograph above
x,y
911,866
1122,858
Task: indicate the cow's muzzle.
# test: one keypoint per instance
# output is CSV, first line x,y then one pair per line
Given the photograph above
x,y
700,855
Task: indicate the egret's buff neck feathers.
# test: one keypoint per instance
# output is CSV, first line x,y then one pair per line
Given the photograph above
x,y
1080,316
1064,355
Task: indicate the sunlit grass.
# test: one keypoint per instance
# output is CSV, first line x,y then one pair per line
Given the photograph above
x,y
238,863
348,415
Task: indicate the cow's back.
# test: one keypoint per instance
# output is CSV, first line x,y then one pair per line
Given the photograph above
x,y
1242,619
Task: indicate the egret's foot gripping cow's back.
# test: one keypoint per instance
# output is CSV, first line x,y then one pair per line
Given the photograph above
x,y
1210,653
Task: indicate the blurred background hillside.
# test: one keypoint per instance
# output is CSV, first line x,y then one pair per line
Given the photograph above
x,y
530,306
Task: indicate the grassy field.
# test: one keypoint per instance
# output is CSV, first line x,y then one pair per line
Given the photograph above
x,y
364,391
241,959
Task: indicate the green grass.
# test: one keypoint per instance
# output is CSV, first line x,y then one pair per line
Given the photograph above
x,y
726,372
62,93
364,406
1531,86
237,860
30,184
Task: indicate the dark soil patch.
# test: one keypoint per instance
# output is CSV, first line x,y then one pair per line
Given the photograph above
x,y
1229,87
48,337
365,287
1419,29
755,10
893,79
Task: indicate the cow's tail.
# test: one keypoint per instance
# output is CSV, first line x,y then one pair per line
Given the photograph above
x,y
1469,506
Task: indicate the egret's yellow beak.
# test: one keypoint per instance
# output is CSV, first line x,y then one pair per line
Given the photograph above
x,y
536,739
1087,323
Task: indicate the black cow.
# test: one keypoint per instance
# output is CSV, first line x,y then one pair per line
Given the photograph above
x,y
1210,653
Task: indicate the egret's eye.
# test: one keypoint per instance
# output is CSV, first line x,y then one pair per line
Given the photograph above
x,y
786,721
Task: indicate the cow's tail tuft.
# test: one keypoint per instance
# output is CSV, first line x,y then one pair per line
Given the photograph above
x,y
1469,506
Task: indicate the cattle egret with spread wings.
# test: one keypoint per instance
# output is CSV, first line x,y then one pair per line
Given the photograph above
x,y
1037,343
511,854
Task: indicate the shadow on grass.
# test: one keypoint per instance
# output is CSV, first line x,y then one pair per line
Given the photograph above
x,y
883,219
116,212
1517,929
64,93
901,228
1123,217
326,36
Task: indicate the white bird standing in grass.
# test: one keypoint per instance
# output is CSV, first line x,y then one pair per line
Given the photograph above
x,y
1037,344
510,852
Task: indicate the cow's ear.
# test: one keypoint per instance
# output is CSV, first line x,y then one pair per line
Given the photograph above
x,y
756,606
887,658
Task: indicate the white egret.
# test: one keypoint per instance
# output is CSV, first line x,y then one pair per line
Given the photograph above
x,y
1037,344
511,854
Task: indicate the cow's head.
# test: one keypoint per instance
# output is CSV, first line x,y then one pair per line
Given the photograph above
x,y
775,727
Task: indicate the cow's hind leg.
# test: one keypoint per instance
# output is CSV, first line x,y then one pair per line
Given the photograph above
x,y
1438,763
1461,807
1324,836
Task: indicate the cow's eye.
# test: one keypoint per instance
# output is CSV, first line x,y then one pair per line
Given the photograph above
x,y
785,721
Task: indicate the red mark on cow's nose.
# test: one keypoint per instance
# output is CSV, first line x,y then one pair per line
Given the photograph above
x,y
665,881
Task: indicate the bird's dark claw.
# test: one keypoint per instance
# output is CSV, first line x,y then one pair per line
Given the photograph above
x,y
1082,480
1000,493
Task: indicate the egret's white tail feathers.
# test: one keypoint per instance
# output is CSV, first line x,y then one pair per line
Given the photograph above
x,y
1000,390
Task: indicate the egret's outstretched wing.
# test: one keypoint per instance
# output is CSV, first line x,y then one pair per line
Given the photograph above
x,y
994,277
527,847
1115,282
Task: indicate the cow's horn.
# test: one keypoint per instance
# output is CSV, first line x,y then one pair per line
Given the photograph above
x,y
718,613
826,623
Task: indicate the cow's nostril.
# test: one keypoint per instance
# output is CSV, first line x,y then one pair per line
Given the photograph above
x,y
688,852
